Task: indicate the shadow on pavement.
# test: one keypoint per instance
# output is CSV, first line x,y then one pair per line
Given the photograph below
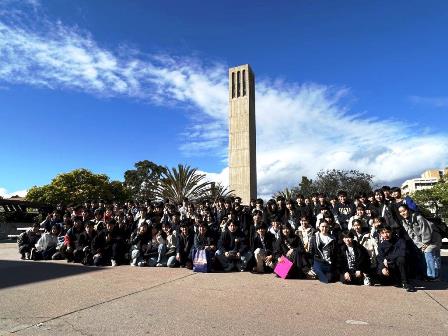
x,y
17,273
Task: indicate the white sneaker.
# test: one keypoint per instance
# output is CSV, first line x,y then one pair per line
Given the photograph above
x,y
367,281
159,265
141,263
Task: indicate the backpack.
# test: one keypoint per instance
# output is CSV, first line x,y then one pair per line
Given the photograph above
x,y
439,227
411,204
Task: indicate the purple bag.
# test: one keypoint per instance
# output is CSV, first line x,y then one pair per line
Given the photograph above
x,y
283,267
200,262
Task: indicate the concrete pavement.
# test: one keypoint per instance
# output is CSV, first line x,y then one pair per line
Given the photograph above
x,y
56,298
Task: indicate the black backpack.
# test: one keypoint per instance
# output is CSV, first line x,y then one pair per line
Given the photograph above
x,y
440,227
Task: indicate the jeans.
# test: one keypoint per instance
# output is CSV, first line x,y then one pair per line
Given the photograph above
x,y
161,250
322,270
433,263
260,256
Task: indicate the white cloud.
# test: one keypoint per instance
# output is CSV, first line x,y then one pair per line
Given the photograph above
x,y
437,102
5,194
301,128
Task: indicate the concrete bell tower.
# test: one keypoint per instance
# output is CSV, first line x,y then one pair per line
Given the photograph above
x,y
242,139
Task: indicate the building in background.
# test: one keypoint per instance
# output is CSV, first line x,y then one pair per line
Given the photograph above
x,y
427,180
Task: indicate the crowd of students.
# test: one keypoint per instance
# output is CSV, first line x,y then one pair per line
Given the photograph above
x,y
377,238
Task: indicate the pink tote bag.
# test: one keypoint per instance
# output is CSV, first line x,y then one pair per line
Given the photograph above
x,y
283,267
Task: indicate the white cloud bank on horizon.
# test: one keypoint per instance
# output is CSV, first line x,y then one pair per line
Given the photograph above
x,y
6,194
301,128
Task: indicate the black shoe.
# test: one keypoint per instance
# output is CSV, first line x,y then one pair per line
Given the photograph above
x,y
407,287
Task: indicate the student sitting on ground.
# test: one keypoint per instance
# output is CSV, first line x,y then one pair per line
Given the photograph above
x,y
262,248
139,243
67,251
233,251
45,247
27,240
353,261
366,240
108,246
84,251
323,251
290,246
204,240
156,249
170,242
184,244
392,262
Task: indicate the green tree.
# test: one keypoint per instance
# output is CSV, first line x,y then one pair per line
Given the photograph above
x,y
143,181
306,187
76,187
176,184
286,194
353,182
434,200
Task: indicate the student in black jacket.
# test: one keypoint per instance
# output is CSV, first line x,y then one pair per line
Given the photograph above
x,y
184,244
71,240
232,249
353,261
343,210
108,245
27,240
392,259
139,243
290,246
84,251
262,248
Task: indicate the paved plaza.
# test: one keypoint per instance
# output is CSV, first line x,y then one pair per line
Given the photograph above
x,y
56,298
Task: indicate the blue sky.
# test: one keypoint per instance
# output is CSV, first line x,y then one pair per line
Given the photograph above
x,y
104,84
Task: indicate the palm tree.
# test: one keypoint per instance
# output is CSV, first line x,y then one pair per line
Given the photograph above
x,y
217,190
183,182
286,193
